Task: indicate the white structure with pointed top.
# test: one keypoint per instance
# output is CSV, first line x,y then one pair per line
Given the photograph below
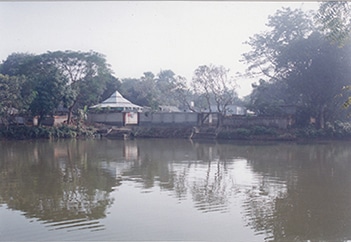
x,y
117,102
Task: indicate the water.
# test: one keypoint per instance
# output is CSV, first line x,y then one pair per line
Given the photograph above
x,y
167,190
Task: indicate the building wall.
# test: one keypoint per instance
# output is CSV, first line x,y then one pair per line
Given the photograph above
x,y
179,118
190,119
247,121
106,118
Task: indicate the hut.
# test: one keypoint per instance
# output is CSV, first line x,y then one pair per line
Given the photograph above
x,y
116,102
115,110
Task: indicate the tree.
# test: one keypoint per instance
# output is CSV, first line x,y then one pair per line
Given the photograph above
x,y
87,77
141,91
335,20
87,74
314,70
151,90
213,83
18,64
286,25
319,72
10,95
42,87
48,89
267,98
165,85
184,94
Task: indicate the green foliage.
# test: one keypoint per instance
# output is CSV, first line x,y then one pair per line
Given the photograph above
x,y
22,132
303,68
285,26
74,79
215,86
247,133
10,95
334,18
333,130
87,74
267,98
262,130
150,90
48,91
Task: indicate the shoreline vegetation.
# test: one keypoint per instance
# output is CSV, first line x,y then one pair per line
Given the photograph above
x,y
336,130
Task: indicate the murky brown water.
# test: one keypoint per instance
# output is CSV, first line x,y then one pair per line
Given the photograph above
x,y
174,190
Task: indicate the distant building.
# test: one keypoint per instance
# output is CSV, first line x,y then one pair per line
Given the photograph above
x,y
163,108
115,110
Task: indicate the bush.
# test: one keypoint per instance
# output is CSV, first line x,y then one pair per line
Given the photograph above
x,y
34,132
331,130
24,132
239,133
261,130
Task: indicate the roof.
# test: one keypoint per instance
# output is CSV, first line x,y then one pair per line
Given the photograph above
x,y
116,100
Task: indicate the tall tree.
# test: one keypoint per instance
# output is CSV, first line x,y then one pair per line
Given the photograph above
x,y
319,71
214,84
285,26
43,86
313,69
335,20
47,96
183,93
87,74
165,85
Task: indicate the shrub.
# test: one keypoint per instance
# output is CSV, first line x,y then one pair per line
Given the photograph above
x,y
261,130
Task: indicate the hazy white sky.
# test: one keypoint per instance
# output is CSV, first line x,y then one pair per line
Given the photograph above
x,y
141,36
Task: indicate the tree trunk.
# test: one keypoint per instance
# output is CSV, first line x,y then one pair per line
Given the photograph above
x,y
40,120
70,113
69,116
321,119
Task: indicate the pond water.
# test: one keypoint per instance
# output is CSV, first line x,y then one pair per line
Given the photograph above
x,y
166,190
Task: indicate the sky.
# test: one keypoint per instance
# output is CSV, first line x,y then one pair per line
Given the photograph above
x,y
141,36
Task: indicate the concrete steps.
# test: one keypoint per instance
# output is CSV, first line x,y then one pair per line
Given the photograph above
x,y
204,133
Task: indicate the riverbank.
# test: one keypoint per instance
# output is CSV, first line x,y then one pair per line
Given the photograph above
x,y
337,130
23,132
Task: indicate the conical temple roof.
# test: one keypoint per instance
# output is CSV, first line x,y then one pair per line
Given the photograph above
x,y
116,100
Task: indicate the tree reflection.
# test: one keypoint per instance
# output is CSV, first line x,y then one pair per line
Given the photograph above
x,y
316,204
185,168
297,192
289,192
54,182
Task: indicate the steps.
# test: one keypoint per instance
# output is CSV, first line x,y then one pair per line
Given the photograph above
x,y
204,133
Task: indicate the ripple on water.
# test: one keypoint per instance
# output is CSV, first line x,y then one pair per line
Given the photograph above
x,y
75,224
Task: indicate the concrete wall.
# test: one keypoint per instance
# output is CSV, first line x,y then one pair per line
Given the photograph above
x,y
146,119
106,118
179,118
191,119
247,121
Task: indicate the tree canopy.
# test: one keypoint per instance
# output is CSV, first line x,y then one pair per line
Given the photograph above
x,y
296,56
73,79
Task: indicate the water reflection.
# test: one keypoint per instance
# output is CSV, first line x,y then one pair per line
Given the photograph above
x,y
285,191
55,183
317,202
